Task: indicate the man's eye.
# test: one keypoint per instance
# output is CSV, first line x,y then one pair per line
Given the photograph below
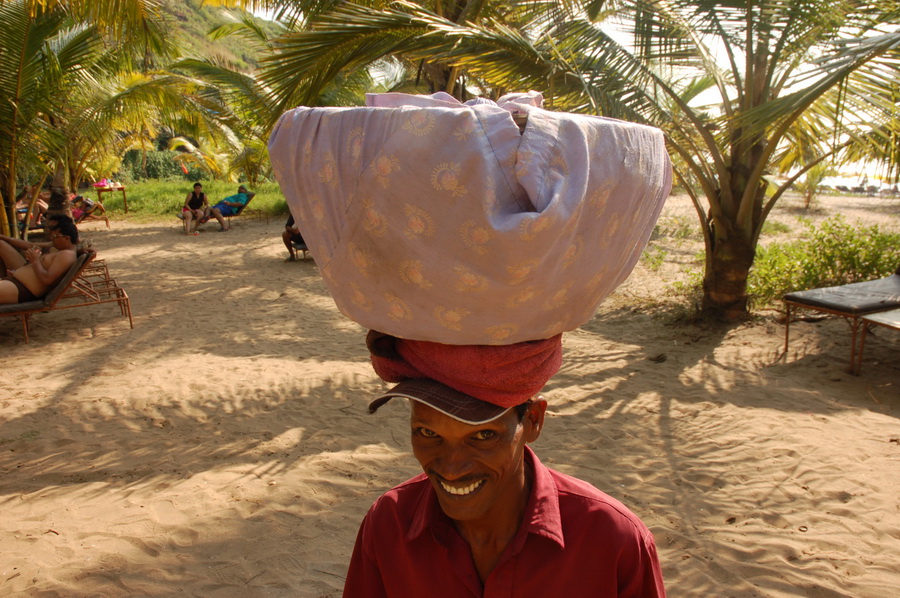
x,y
485,434
426,433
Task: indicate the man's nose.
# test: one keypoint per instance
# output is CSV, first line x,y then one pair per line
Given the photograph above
x,y
455,462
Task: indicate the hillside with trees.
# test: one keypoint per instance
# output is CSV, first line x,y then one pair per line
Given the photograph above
x,y
191,21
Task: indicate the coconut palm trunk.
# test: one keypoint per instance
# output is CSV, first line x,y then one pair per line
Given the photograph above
x,y
728,266
58,203
8,213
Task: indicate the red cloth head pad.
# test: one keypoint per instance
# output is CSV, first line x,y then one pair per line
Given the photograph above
x,y
503,375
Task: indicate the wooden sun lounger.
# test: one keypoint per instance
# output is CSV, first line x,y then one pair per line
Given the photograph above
x,y
82,285
850,301
256,213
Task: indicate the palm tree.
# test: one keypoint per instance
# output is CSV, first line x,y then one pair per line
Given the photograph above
x,y
237,148
48,49
775,69
244,106
124,110
344,39
38,51
789,72
207,154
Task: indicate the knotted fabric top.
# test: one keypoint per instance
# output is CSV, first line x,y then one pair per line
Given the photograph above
x,y
438,221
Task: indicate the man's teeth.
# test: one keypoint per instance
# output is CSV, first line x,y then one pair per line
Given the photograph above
x,y
461,491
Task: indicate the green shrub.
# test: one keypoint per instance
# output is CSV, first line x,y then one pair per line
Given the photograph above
x,y
654,258
678,227
835,253
773,227
160,165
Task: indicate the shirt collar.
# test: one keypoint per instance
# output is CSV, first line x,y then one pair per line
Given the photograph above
x,y
541,518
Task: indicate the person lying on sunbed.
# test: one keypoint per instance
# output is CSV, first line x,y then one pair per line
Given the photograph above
x,y
30,277
82,207
231,206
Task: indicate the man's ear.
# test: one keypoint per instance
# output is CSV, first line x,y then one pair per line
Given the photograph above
x,y
534,418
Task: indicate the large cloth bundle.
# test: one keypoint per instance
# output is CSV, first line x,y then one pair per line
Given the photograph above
x,y
438,221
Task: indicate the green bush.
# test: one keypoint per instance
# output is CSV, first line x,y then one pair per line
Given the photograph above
x,y
160,165
678,227
773,227
835,253
654,258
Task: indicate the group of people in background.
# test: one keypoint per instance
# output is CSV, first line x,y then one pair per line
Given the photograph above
x,y
80,206
196,209
28,270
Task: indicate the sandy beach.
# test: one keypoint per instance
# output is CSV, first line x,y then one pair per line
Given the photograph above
x,y
222,447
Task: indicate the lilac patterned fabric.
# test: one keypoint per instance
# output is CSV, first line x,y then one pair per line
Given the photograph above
x,y
434,220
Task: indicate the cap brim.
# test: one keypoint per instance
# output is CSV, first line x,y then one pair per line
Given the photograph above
x,y
450,402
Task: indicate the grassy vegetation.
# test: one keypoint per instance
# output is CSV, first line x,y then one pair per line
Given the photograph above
x,y
654,258
190,21
773,227
154,200
678,227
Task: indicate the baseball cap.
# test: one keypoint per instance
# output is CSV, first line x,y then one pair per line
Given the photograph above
x,y
450,402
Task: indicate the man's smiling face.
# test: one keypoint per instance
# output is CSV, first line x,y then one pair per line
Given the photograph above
x,y
478,472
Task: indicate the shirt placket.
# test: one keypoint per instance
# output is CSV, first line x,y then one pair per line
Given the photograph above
x,y
499,583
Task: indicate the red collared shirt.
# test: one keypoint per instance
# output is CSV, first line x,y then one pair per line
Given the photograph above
x,y
574,541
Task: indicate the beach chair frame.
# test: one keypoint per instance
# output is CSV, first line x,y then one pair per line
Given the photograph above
x,y
301,247
82,285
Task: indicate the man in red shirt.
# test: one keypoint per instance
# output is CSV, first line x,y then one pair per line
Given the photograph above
x,y
460,242
486,518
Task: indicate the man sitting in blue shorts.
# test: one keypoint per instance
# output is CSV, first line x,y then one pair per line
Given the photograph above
x,y
231,206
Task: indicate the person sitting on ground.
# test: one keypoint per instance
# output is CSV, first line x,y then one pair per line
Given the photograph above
x,y
291,236
486,517
30,277
195,210
230,206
